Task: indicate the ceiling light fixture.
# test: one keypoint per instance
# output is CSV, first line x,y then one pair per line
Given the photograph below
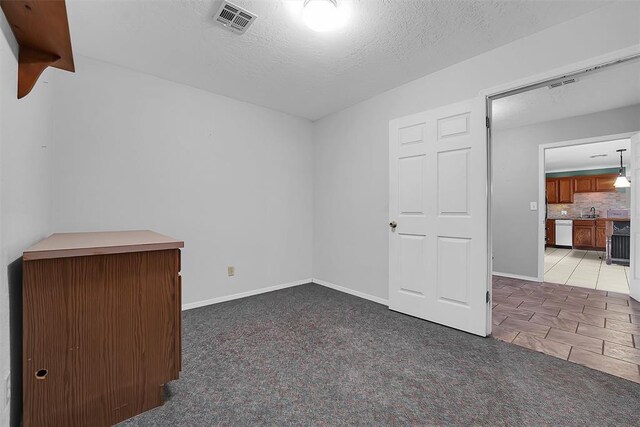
x,y
321,15
621,180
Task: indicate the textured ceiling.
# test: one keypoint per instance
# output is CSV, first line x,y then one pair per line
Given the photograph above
x,y
281,64
614,87
577,157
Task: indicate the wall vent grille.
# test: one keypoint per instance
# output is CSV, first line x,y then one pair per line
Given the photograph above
x,y
562,83
234,18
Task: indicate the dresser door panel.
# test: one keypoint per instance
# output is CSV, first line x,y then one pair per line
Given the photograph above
x,y
104,329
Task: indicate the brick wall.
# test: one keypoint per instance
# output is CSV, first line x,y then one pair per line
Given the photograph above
x,y
584,201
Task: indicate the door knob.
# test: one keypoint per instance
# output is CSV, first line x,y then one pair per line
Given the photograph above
x,y
393,225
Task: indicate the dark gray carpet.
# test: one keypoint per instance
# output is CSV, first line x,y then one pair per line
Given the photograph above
x,y
313,356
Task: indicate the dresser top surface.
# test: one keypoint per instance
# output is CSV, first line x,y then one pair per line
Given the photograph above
x,y
63,245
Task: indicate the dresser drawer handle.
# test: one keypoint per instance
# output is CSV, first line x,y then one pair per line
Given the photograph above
x,y
41,374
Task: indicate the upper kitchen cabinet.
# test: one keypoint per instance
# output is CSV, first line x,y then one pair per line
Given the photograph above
x,y
559,190
552,190
565,190
594,183
604,183
584,184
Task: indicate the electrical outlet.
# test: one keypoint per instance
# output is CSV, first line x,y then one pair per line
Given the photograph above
x,y
231,271
7,389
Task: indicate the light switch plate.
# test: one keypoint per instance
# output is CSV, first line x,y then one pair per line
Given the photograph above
x,y
533,206
231,271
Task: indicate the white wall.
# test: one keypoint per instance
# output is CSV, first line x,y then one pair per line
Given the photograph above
x,y
515,180
351,188
25,189
231,179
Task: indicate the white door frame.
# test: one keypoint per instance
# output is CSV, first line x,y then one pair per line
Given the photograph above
x,y
585,65
634,246
542,185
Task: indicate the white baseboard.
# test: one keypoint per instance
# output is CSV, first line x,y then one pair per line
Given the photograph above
x,y
225,298
351,292
517,276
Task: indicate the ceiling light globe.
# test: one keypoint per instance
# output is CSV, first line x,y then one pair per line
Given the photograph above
x,y
320,15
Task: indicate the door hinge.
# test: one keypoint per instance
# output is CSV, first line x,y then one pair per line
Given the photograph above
x,y
488,297
488,122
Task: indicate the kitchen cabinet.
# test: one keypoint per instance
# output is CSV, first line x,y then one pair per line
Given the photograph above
x,y
590,234
552,191
565,190
604,183
550,232
594,184
584,184
584,234
560,190
601,234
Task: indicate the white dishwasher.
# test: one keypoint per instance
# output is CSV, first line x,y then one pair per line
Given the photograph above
x,y
564,232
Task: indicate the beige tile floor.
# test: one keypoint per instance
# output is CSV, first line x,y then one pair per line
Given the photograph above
x,y
585,269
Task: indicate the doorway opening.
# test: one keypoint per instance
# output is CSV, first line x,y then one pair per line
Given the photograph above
x,y
558,223
587,219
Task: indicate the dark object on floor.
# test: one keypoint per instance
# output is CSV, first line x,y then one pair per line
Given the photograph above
x,y
313,356
620,242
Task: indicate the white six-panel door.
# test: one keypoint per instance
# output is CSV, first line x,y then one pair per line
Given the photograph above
x,y
634,253
438,216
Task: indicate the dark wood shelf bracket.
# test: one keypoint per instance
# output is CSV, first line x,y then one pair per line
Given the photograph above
x,y
41,29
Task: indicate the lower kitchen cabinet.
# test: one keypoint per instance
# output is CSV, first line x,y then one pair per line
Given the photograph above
x,y
601,234
584,234
589,234
550,234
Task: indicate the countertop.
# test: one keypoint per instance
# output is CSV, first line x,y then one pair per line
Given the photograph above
x,y
592,219
64,245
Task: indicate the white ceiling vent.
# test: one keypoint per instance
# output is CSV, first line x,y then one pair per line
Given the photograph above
x,y
234,17
562,82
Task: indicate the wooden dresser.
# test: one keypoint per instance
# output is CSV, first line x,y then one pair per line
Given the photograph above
x,y
101,326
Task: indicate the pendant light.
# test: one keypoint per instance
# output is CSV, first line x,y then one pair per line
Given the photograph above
x,y
621,180
321,15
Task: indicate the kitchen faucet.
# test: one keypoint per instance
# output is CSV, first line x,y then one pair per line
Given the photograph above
x,y
593,212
